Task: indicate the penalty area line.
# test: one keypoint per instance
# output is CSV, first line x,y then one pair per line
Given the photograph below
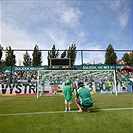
x,y
58,112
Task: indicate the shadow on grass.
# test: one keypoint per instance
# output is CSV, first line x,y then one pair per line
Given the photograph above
x,y
93,110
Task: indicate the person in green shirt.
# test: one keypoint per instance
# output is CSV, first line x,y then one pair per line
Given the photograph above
x,y
123,86
83,97
109,84
67,91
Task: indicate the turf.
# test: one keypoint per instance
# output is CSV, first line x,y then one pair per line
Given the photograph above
x,y
52,120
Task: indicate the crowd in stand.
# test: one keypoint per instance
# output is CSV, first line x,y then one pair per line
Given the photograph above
x,y
15,76
28,76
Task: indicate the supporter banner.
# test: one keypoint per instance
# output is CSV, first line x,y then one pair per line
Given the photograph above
x,y
19,88
31,88
98,87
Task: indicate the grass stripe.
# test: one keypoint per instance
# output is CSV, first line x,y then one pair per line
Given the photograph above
x,y
57,112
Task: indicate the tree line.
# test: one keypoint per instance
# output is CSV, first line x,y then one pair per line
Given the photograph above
x,y
71,52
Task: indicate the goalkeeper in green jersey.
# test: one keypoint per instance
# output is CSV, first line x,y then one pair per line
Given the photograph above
x,y
83,97
67,90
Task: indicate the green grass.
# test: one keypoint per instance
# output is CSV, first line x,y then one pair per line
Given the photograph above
x,y
98,121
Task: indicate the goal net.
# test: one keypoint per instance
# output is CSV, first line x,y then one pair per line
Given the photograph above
x,y
100,81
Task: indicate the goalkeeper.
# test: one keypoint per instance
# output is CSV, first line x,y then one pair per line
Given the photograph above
x,y
67,90
83,97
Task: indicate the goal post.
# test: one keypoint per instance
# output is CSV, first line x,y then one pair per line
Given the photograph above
x,y
95,80
115,83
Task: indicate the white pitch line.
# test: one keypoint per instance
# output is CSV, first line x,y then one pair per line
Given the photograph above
x,y
117,109
34,113
57,112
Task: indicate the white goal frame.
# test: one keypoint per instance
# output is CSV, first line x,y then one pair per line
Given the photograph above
x,y
49,74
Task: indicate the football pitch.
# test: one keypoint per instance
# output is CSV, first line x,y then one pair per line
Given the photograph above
x,y
28,114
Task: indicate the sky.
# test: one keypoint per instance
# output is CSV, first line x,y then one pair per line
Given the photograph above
x,y
90,24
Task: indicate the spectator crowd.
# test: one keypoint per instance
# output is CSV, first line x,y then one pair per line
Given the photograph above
x,y
7,77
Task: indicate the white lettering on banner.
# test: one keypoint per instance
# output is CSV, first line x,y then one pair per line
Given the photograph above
x,y
106,67
29,68
36,68
85,67
98,67
90,67
22,68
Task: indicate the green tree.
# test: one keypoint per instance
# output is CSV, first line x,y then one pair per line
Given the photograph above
x,y
71,53
128,58
110,55
52,54
63,55
37,56
131,57
10,58
27,59
1,48
3,63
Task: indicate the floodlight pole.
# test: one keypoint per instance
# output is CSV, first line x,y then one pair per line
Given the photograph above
x,y
11,68
82,58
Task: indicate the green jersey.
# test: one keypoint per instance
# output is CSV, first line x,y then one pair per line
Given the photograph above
x,y
84,96
123,84
68,92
